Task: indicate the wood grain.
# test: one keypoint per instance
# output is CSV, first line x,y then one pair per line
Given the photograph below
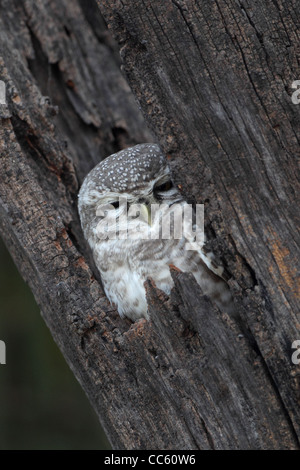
x,y
213,83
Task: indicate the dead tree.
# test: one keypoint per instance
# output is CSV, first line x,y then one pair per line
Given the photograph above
x,y
213,80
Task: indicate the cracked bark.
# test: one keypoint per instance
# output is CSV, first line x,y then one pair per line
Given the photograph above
x,y
213,81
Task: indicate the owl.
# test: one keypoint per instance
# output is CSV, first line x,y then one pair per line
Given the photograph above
x,y
119,206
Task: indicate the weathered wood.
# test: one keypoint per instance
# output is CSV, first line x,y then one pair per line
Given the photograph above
x,y
218,96
209,83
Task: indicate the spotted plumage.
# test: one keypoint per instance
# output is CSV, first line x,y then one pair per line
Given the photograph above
x,y
140,175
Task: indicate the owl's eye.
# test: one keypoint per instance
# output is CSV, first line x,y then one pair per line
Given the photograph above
x,y
164,187
116,204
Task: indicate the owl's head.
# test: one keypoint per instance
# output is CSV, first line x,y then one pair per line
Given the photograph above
x,y
123,182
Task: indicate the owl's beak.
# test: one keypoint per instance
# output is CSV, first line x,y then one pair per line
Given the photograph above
x,y
146,213
145,210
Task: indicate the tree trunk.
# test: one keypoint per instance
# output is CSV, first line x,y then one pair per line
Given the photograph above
x,y
213,80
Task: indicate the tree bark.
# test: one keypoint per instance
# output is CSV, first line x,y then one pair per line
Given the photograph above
x,y
213,81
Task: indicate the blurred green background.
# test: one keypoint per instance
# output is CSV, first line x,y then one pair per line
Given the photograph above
x,y
42,406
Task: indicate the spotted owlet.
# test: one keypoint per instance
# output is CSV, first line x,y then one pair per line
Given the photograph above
x,y
139,177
